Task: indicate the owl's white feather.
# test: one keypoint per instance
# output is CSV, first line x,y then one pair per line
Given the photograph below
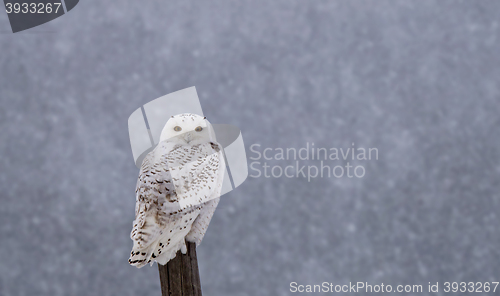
x,y
177,191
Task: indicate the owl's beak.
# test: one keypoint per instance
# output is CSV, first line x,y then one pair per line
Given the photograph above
x,y
187,137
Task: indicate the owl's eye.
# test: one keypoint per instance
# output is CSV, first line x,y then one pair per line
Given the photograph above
x,y
198,129
177,128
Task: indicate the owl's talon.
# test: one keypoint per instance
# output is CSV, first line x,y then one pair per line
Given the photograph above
x,y
184,249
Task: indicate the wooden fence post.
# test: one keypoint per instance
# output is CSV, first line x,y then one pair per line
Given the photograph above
x,y
180,277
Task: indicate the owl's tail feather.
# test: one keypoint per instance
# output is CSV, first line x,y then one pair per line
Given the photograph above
x,y
167,248
161,251
138,258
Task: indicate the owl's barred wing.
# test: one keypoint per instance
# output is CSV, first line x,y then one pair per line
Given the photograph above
x,y
155,195
173,186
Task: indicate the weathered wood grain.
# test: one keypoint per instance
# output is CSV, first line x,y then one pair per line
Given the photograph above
x,y
180,277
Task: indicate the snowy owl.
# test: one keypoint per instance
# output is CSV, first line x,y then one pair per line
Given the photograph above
x,y
178,189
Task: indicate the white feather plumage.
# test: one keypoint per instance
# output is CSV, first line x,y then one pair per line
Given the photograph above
x,y
177,191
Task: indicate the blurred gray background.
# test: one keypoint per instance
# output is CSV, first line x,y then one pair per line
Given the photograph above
x,y
419,80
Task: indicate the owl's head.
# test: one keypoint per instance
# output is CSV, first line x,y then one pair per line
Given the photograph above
x,y
187,128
